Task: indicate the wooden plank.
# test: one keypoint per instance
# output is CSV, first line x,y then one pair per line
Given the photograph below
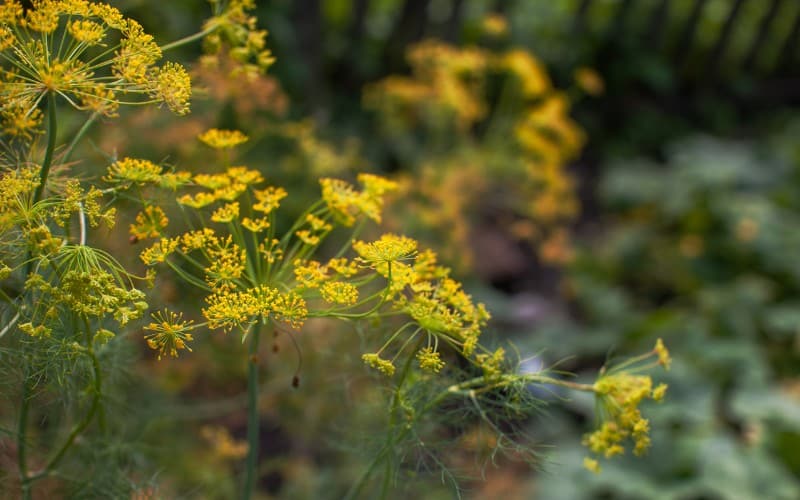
x,y
686,38
717,53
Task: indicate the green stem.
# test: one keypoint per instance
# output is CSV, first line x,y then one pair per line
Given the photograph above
x,y
188,39
51,146
22,432
252,414
81,132
79,427
390,440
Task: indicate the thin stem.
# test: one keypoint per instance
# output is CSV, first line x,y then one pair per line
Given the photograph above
x,y
22,431
188,39
81,132
51,146
252,414
80,426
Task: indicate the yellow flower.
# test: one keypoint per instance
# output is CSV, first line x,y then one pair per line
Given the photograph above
x,y
495,25
172,85
150,223
375,361
133,170
226,213
339,292
589,80
529,70
591,465
664,358
222,139
170,334
255,225
45,62
389,248
159,251
269,198
430,360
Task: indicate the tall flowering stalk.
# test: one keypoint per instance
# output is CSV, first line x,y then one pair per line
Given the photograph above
x,y
63,299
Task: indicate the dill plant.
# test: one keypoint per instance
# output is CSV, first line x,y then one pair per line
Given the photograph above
x,y
67,302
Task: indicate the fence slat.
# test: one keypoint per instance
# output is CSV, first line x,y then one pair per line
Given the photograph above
x,y
654,28
721,46
789,50
689,29
763,30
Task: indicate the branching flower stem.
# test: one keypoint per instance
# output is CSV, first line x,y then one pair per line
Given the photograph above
x,y
252,413
52,129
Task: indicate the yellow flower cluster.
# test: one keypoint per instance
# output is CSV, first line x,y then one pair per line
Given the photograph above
x,y
222,139
339,292
43,49
229,309
346,203
619,394
170,333
90,292
150,223
389,248
234,33
447,93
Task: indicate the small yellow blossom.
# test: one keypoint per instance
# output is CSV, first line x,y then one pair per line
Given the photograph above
x,y
268,199
589,80
133,170
222,139
591,465
150,223
339,292
664,358
159,251
382,365
430,360
226,213
172,85
389,248
170,334
255,225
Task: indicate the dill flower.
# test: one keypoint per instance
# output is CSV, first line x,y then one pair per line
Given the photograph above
x,y
255,225
222,139
389,248
310,274
268,198
494,25
173,86
159,251
664,358
226,213
339,292
132,170
50,49
382,365
170,333
430,360
150,223
529,70
589,80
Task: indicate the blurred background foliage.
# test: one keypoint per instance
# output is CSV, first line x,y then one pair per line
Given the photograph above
x,y
676,162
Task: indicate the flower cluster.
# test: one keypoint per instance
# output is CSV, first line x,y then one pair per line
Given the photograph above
x,y
620,393
66,48
523,145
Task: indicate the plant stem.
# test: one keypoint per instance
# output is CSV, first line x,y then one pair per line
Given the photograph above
x,y
81,132
80,426
51,146
22,435
188,39
252,414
